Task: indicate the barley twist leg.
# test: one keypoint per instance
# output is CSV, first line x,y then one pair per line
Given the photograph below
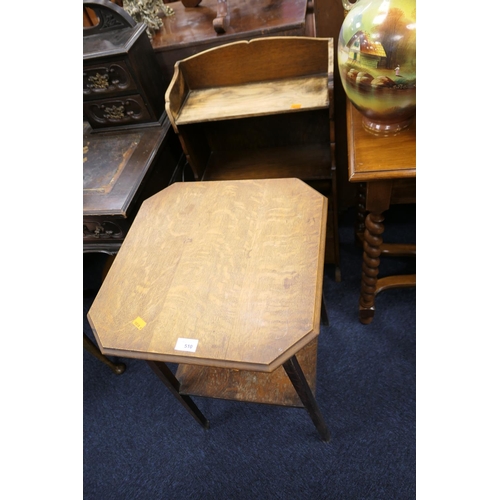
x,y
360,213
370,268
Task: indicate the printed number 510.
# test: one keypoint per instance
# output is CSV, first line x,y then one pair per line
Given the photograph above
x,y
187,345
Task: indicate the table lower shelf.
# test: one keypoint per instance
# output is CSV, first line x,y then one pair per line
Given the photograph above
x,y
255,387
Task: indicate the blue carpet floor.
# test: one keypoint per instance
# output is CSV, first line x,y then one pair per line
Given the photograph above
x,y
139,443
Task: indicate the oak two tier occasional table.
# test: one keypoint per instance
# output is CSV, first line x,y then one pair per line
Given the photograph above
x,y
385,168
223,278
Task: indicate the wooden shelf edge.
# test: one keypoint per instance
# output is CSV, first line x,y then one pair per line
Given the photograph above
x,y
307,162
289,95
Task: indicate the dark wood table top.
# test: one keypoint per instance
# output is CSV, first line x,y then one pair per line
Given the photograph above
x,y
194,26
376,158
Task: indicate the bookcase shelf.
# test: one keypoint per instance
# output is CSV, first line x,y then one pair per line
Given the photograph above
x,y
255,99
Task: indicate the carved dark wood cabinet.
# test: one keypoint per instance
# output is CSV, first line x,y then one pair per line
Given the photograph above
x,y
121,169
123,85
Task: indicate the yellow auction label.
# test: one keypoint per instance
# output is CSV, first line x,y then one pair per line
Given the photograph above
x,y
139,323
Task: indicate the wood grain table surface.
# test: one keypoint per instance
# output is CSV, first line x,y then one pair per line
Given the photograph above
x,y
233,267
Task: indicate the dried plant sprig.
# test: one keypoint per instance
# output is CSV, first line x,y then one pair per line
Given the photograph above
x,y
147,12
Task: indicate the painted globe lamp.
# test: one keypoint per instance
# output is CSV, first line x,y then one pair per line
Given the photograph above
x,y
377,62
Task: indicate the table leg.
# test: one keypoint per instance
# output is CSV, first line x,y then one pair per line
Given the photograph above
x,y
89,346
324,314
360,214
296,376
372,242
168,378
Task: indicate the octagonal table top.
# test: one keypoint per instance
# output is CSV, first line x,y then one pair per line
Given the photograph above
x,y
222,273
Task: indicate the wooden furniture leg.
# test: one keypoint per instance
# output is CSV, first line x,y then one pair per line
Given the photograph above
x,y
324,314
117,368
373,247
370,268
168,378
296,376
360,214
